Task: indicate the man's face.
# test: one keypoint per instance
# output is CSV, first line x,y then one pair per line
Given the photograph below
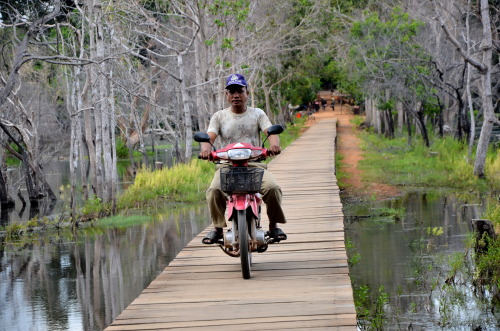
x,y
237,95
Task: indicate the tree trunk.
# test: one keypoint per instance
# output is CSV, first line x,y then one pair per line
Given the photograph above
x,y
400,110
487,99
472,128
188,123
389,124
422,126
5,200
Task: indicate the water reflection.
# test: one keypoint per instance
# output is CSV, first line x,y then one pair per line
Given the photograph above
x,y
409,261
83,281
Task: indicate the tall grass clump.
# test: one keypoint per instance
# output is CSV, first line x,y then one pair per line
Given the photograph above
x,y
180,183
493,166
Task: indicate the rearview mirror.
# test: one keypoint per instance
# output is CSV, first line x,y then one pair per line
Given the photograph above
x,y
275,129
201,137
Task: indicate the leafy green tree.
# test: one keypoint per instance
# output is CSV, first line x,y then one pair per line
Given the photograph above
x,y
388,62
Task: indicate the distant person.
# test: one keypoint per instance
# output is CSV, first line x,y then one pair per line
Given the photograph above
x,y
333,104
323,103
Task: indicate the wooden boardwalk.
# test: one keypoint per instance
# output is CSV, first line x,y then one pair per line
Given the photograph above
x,y
301,283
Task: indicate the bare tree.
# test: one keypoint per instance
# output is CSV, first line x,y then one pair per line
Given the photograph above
x,y
27,44
485,67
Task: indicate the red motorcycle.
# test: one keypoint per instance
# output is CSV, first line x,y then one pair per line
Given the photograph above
x,y
242,185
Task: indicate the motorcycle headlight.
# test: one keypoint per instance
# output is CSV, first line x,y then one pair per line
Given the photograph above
x,y
256,152
222,155
239,154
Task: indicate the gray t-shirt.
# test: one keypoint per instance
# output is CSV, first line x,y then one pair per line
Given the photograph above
x,y
239,128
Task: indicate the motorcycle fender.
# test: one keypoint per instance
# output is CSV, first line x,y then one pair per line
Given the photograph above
x,y
242,202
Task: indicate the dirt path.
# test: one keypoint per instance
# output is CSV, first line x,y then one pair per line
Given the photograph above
x,y
348,146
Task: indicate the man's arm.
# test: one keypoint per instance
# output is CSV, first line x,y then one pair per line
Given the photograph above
x,y
206,148
274,143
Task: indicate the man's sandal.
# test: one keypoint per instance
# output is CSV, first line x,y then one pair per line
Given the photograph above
x,y
213,237
277,234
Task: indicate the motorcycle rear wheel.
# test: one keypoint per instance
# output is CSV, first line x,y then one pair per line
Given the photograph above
x,y
243,237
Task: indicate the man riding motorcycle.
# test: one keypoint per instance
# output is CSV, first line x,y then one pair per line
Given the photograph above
x,y
243,124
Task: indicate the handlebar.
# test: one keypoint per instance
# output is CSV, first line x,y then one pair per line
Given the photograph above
x,y
215,158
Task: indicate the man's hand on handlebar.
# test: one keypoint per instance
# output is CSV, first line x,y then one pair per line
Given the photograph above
x,y
274,150
206,152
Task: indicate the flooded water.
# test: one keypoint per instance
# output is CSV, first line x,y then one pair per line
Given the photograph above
x,y
83,281
57,174
401,268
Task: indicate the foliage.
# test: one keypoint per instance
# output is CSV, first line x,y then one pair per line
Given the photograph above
x,y
444,166
493,214
121,149
14,230
182,182
383,55
94,208
301,88
353,256
29,9
370,306
292,132
10,159
488,261
493,165
339,174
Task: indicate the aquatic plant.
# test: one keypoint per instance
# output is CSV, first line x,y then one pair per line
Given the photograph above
x,y
370,307
396,213
353,257
95,208
14,230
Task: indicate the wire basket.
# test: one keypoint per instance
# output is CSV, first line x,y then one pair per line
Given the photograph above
x,y
241,179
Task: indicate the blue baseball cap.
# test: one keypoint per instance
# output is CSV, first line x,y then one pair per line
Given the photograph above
x,y
236,79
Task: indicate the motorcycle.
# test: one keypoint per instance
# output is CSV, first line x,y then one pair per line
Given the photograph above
x,y
242,184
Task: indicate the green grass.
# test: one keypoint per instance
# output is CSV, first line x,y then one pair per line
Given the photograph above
x,y
444,165
180,183
292,132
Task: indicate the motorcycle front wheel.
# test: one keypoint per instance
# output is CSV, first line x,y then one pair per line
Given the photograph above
x,y
245,254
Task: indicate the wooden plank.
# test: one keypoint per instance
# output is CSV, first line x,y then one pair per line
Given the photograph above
x,y
300,283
